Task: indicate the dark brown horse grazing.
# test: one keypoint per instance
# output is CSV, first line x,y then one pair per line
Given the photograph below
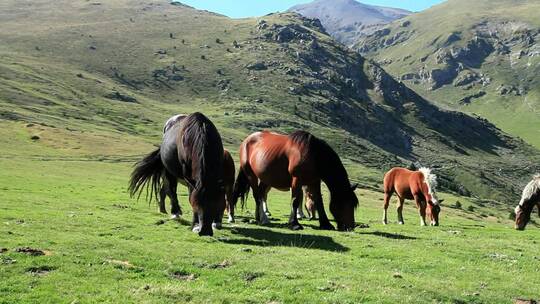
x,y
228,183
529,199
290,162
418,185
191,151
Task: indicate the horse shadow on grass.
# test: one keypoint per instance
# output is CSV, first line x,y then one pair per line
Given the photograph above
x,y
269,238
387,235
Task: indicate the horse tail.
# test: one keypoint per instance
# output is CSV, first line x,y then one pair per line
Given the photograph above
x,y
147,175
205,153
241,188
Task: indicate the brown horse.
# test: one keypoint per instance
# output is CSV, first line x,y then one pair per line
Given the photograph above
x,y
529,199
309,203
191,151
228,182
289,162
418,185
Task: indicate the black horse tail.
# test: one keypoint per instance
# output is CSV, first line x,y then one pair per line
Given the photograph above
x,y
147,175
241,188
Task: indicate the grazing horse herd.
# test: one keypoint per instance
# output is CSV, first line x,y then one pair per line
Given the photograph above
x,y
192,153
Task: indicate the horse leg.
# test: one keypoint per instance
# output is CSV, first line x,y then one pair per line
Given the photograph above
x,y
387,196
228,201
400,210
421,209
300,214
172,184
260,215
316,196
263,190
162,196
195,227
297,195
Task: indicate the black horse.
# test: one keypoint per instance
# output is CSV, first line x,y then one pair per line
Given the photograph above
x,y
191,152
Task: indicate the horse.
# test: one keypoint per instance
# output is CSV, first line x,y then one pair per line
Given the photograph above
x,y
228,182
271,160
529,198
418,185
191,151
311,209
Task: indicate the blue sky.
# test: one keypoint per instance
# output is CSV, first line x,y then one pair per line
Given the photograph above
x,y
249,8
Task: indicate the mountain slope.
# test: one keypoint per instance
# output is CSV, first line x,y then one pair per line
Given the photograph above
x,y
115,71
347,20
477,56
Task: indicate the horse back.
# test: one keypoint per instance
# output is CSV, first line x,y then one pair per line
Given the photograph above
x,y
404,182
265,155
169,151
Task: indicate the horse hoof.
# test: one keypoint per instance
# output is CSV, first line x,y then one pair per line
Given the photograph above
x,y
231,220
296,227
217,225
385,223
207,233
327,227
196,229
401,223
175,216
264,223
268,213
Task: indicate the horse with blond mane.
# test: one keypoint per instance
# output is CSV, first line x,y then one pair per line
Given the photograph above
x,y
529,198
418,185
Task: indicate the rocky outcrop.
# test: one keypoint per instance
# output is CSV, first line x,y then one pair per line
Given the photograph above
x,y
459,57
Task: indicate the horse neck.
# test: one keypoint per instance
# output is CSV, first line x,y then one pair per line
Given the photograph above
x,y
529,203
333,174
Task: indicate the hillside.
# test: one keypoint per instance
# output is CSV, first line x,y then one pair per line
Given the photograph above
x,y
109,74
347,20
476,56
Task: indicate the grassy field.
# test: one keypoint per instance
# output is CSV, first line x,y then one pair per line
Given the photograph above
x,y
74,117
99,245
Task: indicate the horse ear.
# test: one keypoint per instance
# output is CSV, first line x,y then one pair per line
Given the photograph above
x,y
354,186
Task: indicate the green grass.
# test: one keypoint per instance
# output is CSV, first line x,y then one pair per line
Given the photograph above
x,y
64,192
102,246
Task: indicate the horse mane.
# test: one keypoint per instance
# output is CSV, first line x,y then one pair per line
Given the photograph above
x,y
532,188
430,179
172,121
327,161
205,153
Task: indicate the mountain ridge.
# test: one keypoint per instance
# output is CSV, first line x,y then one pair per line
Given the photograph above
x,y
478,57
280,72
346,20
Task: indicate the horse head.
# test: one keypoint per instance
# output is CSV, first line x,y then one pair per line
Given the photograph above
x,y
523,216
344,211
433,211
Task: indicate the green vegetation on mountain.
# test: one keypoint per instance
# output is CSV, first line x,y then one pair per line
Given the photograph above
x,y
116,70
85,87
475,56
